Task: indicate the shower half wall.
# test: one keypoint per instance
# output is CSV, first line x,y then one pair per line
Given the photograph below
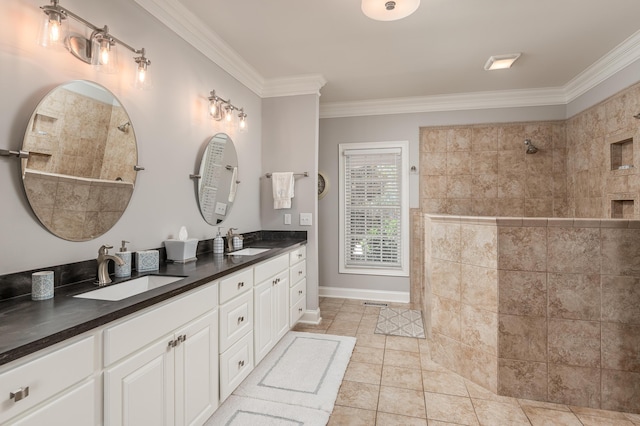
x,y
537,308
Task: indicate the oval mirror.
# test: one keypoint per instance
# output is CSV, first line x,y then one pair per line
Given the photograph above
x,y
218,181
80,173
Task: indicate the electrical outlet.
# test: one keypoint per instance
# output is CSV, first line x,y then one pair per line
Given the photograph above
x,y
287,218
305,219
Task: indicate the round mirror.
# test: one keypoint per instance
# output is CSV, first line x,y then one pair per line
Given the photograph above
x,y
80,173
218,182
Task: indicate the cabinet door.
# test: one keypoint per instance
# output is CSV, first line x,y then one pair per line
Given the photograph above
x,y
281,308
263,313
197,370
74,407
140,389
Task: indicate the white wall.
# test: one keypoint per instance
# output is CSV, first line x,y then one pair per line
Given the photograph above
x,y
290,144
170,122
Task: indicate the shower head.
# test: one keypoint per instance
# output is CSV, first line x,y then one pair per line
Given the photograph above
x,y
531,149
124,127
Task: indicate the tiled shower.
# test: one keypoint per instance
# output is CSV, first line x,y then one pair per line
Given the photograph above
x,y
531,262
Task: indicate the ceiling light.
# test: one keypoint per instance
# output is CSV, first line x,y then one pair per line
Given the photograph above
x,y
500,62
389,10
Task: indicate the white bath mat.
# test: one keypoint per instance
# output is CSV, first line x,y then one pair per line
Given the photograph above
x,y
400,322
299,377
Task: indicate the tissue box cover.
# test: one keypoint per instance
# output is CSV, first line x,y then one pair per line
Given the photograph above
x,y
181,251
147,260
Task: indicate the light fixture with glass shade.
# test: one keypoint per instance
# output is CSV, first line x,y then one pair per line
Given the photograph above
x,y
220,108
99,50
389,10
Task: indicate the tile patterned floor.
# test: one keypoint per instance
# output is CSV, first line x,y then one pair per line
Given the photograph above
x,y
391,380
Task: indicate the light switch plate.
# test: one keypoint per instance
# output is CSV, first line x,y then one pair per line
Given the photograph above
x,y
287,218
305,219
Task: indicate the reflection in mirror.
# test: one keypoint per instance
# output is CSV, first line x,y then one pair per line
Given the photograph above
x,y
218,182
80,175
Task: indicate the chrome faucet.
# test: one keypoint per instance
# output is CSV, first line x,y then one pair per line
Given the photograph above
x,y
103,264
230,236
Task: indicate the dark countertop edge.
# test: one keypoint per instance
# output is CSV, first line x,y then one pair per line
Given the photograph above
x,y
107,312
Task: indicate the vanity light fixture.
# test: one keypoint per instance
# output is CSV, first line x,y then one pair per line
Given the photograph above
x,y
99,50
500,62
223,108
389,10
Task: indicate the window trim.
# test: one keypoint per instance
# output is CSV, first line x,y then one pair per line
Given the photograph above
x,y
403,271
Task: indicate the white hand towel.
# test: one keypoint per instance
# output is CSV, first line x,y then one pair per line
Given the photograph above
x,y
283,184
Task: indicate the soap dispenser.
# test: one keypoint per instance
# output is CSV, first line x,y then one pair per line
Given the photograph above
x,y
123,271
218,243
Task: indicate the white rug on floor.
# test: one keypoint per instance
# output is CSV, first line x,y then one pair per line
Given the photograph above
x,y
400,322
297,383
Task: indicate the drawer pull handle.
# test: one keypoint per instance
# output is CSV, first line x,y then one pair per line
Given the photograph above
x,y
19,394
240,285
299,255
172,343
300,310
182,338
241,364
299,272
240,319
276,281
299,292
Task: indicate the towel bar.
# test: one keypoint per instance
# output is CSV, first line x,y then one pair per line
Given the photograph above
x,y
303,174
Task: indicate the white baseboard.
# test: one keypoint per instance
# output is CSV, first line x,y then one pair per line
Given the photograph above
x,y
356,293
311,317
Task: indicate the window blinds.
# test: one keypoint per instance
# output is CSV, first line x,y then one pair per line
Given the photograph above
x,y
373,208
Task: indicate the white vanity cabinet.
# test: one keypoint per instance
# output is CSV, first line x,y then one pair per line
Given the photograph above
x,y
236,330
162,364
271,304
298,284
56,386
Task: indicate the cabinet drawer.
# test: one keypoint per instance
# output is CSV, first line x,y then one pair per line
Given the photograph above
x,y
236,284
297,255
298,272
236,319
270,268
235,365
46,376
135,333
297,311
298,292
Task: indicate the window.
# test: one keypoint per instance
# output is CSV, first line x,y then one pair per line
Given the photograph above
x,y
374,212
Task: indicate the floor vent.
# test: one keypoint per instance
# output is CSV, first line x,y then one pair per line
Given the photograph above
x,y
379,304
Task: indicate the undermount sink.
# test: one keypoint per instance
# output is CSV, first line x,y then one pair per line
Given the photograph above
x,y
249,251
129,288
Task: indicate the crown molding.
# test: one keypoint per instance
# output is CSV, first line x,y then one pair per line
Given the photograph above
x,y
188,26
309,84
453,102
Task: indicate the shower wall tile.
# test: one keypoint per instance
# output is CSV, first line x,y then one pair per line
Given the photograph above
x,y
510,138
458,163
538,207
621,391
479,329
435,163
574,250
574,385
620,347
510,207
621,251
459,186
484,162
574,296
434,187
484,207
479,245
446,351
522,248
445,317
435,140
523,293
522,379
445,240
522,338
621,299
484,138
485,187
511,162
573,342
480,367
479,287
460,140
446,279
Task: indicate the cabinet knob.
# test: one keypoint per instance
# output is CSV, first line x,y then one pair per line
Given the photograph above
x,y
240,364
240,319
19,394
240,285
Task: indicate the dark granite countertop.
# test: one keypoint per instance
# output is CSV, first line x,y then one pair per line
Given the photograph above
x,y
28,326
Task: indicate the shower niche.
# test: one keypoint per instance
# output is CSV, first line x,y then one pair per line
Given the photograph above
x,y
622,155
622,197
